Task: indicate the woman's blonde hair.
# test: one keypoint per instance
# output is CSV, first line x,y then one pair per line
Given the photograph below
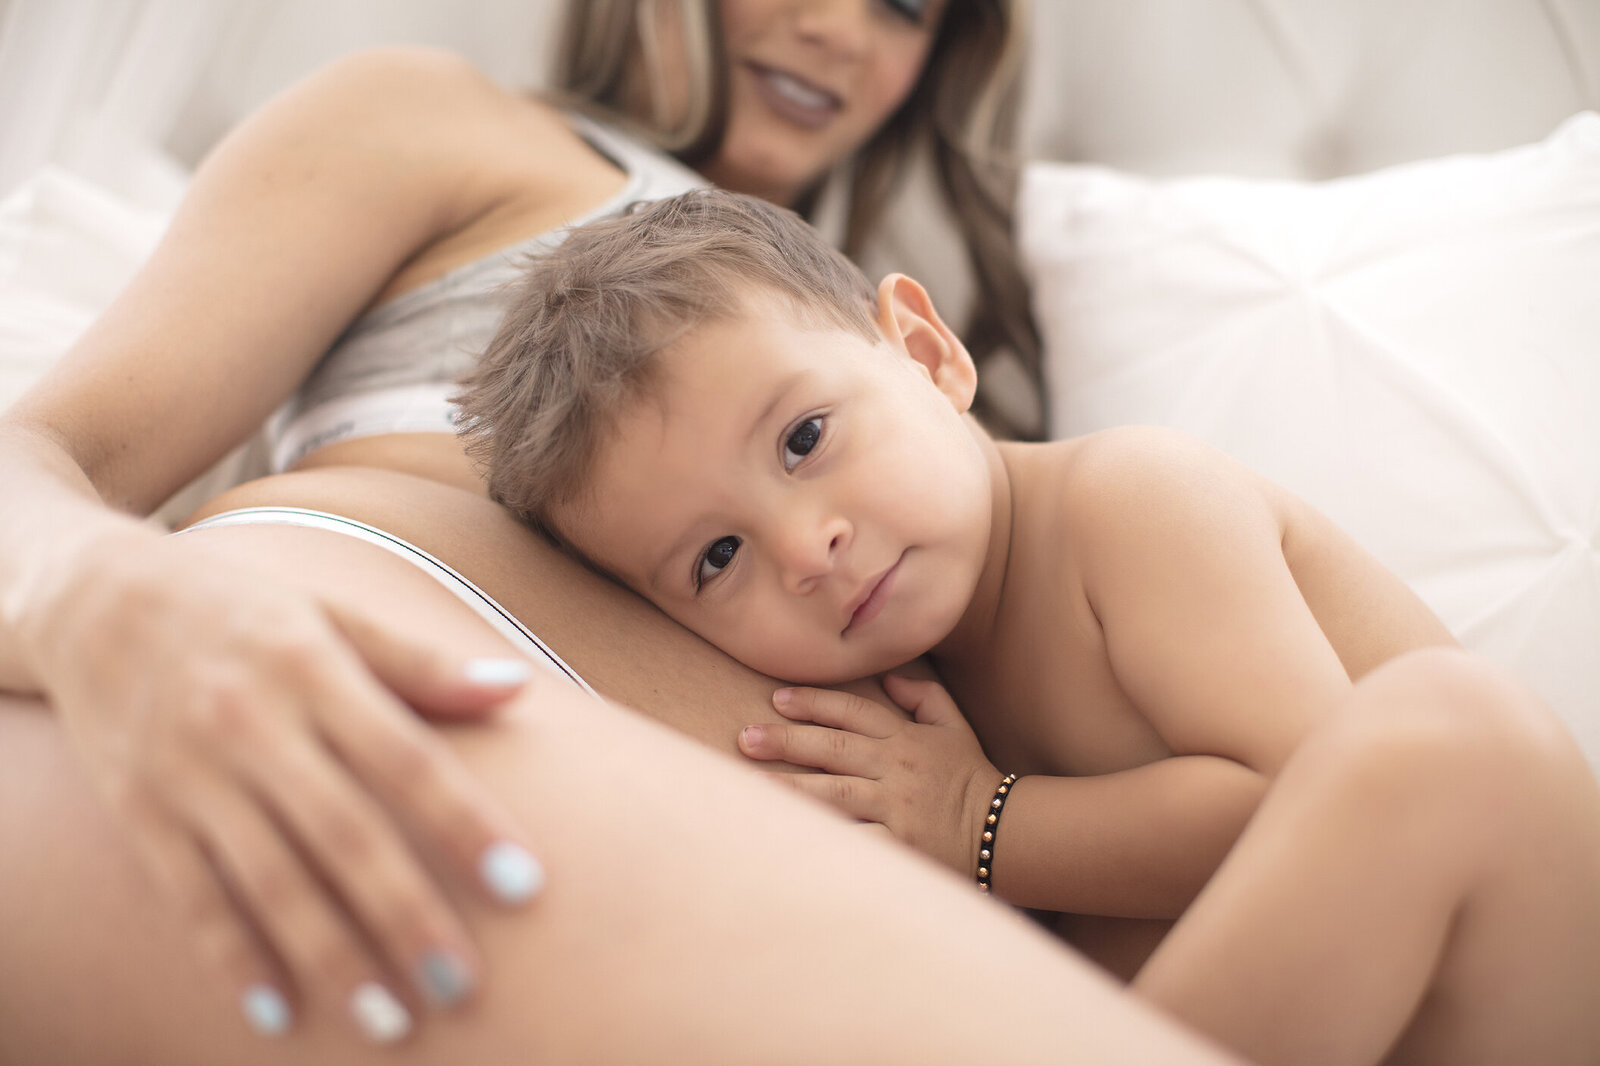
x,y
960,116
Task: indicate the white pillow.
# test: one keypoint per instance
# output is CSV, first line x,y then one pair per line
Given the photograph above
x,y
67,246
1415,350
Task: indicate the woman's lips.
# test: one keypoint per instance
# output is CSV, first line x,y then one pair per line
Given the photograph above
x,y
793,99
868,608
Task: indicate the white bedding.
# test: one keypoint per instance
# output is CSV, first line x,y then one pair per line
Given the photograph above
x,y
1415,350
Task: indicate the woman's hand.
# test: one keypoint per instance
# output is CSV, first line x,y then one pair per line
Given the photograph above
x,y
257,747
925,779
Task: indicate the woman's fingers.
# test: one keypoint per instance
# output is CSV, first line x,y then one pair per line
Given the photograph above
x,y
367,769
225,939
272,914
386,897
293,911
238,717
418,777
430,679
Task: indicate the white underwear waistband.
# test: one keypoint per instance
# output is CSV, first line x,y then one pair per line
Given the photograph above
x,y
481,602
407,409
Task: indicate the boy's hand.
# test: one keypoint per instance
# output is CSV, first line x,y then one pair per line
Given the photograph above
x,y
925,779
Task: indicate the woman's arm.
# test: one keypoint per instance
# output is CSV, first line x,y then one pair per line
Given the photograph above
x,y
292,226
295,224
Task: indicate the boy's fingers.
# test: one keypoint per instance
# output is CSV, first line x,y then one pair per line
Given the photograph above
x,y
927,701
858,798
834,751
840,710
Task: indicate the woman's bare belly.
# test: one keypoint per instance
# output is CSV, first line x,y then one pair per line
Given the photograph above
x,y
618,642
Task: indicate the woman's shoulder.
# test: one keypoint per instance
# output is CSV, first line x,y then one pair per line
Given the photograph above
x,y
429,99
494,163
403,65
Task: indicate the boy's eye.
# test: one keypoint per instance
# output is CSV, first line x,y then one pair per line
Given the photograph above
x,y
716,558
804,438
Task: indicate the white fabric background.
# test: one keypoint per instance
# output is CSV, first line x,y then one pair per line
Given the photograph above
x,y
89,84
1412,350
1260,88
1274,88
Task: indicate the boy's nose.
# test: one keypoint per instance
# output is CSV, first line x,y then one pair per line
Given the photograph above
x,y
807,553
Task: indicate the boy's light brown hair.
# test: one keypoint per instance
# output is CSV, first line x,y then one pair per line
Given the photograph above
x,y
579,343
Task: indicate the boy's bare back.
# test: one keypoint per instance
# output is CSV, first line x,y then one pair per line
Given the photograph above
x,y
1156,602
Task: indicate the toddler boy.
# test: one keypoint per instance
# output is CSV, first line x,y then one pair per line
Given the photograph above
x,y
707,402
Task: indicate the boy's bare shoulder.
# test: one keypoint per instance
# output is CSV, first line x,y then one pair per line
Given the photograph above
x,y
1126,463
1109,488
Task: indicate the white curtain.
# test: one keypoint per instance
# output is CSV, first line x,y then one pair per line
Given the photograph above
x,y
96,86
118,91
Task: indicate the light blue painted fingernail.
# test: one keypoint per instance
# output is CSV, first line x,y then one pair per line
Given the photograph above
x,y
510,872
498,671
444,977
381,1017
266,1010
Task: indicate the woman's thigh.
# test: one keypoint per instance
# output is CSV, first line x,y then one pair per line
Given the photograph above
x,y
693,910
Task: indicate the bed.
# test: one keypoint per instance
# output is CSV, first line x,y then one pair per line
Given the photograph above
x,y
1354,243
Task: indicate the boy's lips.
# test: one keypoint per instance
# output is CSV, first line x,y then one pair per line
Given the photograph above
x,y
870,600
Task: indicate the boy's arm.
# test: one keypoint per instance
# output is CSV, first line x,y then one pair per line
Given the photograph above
x,y
1183,557
1139,843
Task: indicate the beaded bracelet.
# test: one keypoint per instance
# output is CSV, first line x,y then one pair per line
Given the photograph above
x,y
991,824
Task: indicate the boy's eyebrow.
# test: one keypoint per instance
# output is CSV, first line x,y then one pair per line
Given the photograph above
x,y
779,393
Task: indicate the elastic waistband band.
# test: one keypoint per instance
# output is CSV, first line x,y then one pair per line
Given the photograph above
x,y
404,409
485,605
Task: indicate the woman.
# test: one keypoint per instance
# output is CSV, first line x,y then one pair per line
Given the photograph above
x,y
249,730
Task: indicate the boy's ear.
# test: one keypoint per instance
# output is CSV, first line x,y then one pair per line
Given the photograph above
x,y
907,317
